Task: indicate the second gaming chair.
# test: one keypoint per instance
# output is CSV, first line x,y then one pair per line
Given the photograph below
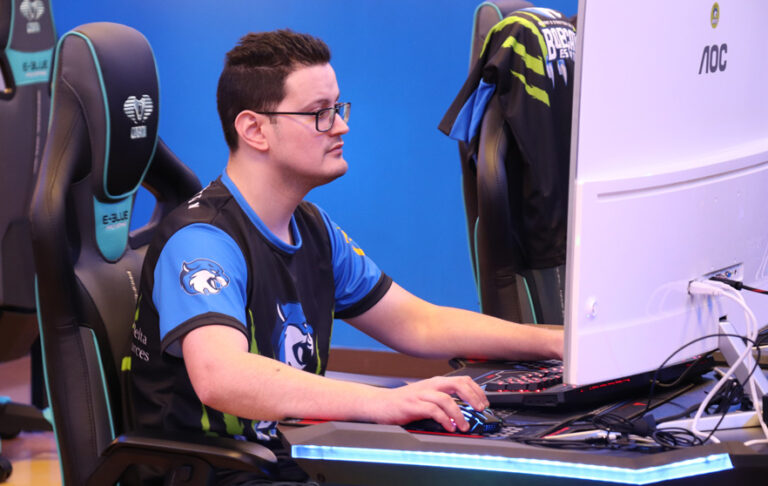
x,y
27,38
508,288
102,145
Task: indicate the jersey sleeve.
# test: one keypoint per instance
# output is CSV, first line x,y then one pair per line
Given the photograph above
x,y
200,279
359,283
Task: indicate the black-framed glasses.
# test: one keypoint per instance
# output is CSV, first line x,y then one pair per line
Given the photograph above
x,y
323,118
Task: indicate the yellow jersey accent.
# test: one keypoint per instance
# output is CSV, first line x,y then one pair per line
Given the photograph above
x,y
512,20
349,241
534,63
346,238
537,93
254,347
233,424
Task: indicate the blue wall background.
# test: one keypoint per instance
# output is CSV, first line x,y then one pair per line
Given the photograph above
x,y
399,62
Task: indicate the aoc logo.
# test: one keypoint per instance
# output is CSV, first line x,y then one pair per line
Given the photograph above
x,y
138,110
32,11
292,338
714,15
713,57
202,276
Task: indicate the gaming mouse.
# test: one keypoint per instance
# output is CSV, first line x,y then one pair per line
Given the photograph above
x,y
480,422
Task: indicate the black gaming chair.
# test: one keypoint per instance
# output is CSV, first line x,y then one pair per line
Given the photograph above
x,y
27,38
102,145
507,287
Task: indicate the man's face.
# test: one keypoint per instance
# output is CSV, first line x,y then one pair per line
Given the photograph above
x,y
306,156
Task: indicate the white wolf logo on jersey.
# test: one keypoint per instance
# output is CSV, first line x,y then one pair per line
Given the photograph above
x,y
202,276
292,337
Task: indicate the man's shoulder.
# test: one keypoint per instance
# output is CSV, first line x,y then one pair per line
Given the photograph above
x,y
203,207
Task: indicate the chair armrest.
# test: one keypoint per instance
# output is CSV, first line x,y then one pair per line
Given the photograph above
x,y
15,417
193,455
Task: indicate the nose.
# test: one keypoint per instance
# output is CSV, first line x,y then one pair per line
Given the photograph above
x,y
340,127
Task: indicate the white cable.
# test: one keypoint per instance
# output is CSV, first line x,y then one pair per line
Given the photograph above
x,y
758,411
712,289
720,289
715,289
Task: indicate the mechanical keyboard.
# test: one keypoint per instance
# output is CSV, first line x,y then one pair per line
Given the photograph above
x,y
526,376
540,383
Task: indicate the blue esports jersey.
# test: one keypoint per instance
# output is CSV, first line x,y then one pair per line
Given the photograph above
x,y
213,261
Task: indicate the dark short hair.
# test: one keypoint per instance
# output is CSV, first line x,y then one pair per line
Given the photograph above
x,y
254,73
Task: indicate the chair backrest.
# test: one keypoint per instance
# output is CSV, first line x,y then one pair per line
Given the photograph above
x,y
102,146
27,38
508,286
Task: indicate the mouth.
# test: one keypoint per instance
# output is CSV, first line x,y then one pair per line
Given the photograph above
x,y
336,148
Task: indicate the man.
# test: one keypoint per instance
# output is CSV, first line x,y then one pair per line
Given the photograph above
x,y
241,284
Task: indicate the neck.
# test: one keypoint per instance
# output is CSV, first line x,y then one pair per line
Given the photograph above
x,y
269,197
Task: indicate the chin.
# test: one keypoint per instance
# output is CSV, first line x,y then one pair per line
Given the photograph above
x,y
332,171
338,168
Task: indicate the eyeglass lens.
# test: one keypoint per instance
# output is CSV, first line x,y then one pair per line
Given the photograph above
x,y
326,117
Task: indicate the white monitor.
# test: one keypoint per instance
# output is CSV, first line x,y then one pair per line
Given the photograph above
x,y
669,178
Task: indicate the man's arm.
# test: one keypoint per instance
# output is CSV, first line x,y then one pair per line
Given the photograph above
x,y
415,327
227,377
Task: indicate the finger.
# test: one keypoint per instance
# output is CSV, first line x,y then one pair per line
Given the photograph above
x,y
449,414
469,391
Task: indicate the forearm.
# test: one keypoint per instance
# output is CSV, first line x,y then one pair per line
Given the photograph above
x,y
266,389
225,376
413,326
451,332
277,391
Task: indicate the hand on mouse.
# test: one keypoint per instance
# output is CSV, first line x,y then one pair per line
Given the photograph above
x,y
429,399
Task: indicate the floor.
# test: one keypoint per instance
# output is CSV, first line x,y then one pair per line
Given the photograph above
x,y
32,454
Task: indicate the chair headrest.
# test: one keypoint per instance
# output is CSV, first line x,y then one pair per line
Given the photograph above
x,y
111,70
26,37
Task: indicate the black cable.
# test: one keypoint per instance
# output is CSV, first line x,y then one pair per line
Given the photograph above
x,y
676,438
684,413
700,338
664,439
730,394
688,411
727,396
645,426
684,375
593,443
737,284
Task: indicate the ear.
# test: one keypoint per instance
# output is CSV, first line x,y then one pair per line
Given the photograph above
x,y
250,128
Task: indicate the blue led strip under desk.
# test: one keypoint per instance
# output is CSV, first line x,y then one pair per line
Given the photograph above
x,y
541,467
